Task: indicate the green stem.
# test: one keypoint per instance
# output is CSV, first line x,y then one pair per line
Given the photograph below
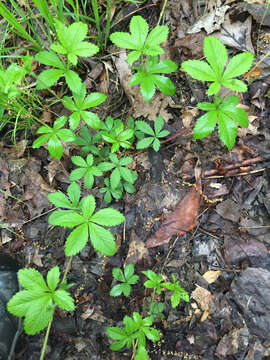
x,y
162,11
46,338
51,319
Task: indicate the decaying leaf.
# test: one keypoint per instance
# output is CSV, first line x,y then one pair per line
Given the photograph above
x,y
204,299
137,251
210,21
211,276
180,221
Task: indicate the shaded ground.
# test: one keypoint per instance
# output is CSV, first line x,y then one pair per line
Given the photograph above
x,y
228,315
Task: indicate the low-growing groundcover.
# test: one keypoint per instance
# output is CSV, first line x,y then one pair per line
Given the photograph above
x,y
102,169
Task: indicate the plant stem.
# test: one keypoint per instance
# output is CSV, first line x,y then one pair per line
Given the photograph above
x,y
51,319
46,338
162,11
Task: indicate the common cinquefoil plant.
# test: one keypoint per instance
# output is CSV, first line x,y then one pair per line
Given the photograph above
x,y
223,111
138,328
69,45
146,48
79,215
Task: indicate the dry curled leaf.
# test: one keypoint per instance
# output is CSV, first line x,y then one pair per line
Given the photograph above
x,y
211,276
181,220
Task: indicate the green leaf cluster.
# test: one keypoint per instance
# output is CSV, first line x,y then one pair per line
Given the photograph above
x,y
127,278
178,292
146,46
84,222
139,40
149,79
213,70
37,301
226,114
223,111
70,43
135,329
156,283
155,135
54,135
79,107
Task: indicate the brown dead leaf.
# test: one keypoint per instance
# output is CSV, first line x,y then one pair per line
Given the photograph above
x,y
211,276
188,116
256,71
137,251
181,220
204,299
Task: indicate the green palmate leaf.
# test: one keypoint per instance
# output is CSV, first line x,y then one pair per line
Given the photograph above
x,y
234,84
238,65
38,318
147,87
108,217
63,300
116,333
116,290
144,127
115,178
199,70
164,84
144,143
157,36
156,145
141,354
60,200
48,78
102,240
50,58
139,30
126,288
88,205
214,88
129,271
76,240
93,99
55,147
206,106
118,274
31,279
227,130
74,193
158,124
68,218
53,278
41,141
216,54
205,125
73,80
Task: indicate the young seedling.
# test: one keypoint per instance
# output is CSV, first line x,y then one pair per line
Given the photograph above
x,y
80,104
127,278
36,303
134,334
117,135
87,142
84,222
54,135
70,43
145,46
109,192
178,292
86,169
155,135
223,111
120,171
